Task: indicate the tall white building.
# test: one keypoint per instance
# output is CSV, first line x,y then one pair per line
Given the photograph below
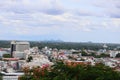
x,y
19,47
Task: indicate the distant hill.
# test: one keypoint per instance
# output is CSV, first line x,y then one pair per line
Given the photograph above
x,y
64,45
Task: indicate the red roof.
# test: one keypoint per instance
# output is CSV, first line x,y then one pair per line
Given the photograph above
x,y
11,59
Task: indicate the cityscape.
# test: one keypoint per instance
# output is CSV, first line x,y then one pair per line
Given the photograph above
x,y
20,55
59,40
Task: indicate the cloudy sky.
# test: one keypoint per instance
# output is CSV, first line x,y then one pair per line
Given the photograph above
x,y
67,20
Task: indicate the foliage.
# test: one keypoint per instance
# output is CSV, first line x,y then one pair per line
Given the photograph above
x,y
36,73
118,55
29,59
1,76
6,55
94,55
102,55
62,71
4,44
84,53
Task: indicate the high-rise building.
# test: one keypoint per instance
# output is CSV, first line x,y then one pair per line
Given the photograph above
x,y
19,46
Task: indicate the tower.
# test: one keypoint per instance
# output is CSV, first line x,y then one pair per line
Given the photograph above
x,y
19,47
13,47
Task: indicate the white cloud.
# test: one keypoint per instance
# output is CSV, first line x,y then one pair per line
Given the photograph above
x,y
44,17
30,6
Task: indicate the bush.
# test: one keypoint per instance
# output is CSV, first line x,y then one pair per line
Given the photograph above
x,y
6,55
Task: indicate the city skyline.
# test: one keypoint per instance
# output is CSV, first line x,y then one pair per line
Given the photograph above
x,y
67,20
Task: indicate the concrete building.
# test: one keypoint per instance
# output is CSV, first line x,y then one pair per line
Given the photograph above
x,y
113,53
20,55
19,47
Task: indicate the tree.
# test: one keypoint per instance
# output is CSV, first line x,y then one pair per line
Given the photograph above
x,y
63,71
1,75
6,55
30,58
84,53
102,55
118,55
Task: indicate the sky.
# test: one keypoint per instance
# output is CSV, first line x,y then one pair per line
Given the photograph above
x,y
67,20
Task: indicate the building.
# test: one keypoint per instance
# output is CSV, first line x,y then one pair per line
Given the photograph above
x,y
105,48
18,54
113,53
19,47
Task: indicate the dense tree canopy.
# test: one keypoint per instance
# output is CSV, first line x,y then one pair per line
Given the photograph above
x,y
61,71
